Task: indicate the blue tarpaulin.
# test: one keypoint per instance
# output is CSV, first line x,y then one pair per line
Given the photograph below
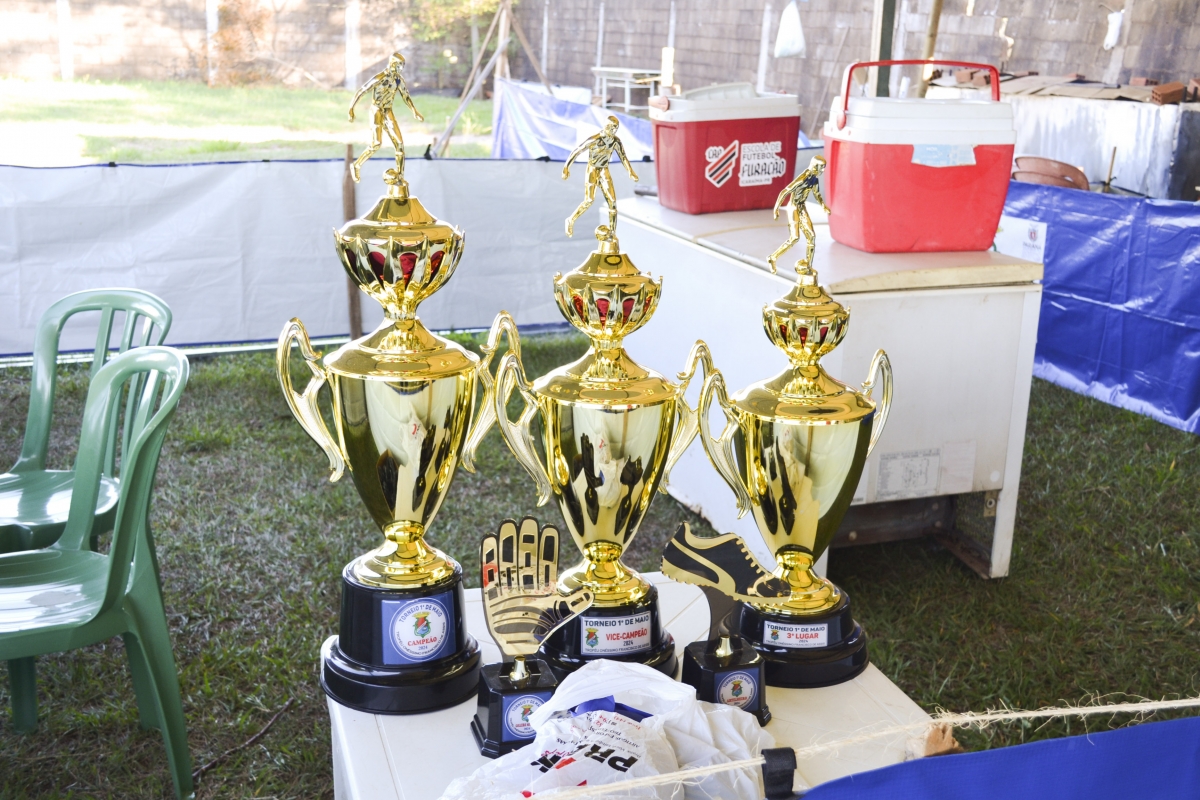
x,y
528,123
1120,314
1159,760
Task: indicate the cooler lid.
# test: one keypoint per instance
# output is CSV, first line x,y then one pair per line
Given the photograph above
x,y
726,101
913,108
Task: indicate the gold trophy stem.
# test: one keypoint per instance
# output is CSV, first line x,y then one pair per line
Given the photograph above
x,y
601,572
519,673
404,560
811,594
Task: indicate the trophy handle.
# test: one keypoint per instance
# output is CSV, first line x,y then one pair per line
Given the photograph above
x,y
304,406
686,419
720,450
881,369
485,417
519,436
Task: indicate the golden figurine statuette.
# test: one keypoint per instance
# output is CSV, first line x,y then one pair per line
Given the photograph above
x,y
793,450
795,197
610,432
406,411
384,88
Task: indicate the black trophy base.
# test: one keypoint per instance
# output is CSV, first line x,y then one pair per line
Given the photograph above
x,y
501,723
737,680
401,651
809,651
632,633
398,690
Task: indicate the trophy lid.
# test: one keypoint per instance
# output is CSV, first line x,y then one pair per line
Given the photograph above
x,y
805,324
606,298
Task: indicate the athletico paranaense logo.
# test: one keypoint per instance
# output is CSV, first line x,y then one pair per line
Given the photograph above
x,y
761,163
721,163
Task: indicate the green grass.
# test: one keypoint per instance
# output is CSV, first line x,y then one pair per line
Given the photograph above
x,y
252,537
124,121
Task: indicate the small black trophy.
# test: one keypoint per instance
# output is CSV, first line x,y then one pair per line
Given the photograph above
x,y
725,668
522,606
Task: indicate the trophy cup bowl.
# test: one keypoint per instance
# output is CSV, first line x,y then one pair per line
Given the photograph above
x,y
404,417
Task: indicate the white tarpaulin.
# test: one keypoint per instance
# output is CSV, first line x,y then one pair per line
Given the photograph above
x,y
238,249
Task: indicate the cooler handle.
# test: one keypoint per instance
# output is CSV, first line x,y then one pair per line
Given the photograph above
x,y
841,118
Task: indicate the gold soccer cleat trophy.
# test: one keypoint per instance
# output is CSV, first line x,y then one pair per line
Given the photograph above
x,y
793,451
404,412
610,431
519,571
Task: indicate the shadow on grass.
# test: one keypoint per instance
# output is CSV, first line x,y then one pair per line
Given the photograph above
x,y
252,538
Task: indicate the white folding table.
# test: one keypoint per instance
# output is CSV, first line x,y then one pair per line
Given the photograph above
x,y
414,757
960,329
629,79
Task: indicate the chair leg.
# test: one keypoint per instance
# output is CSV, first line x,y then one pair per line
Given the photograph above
x,y
22,681
155,643
143,684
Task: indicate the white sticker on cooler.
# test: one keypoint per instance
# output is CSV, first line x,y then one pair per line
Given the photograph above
x,y
608,635
796,636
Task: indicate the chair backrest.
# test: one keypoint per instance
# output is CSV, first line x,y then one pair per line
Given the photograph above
x,y
142,311
162,374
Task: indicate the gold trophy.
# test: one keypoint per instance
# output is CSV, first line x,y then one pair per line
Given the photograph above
x,y
611,430
793,451
404,412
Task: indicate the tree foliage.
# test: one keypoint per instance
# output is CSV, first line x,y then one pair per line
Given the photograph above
x,y
431,20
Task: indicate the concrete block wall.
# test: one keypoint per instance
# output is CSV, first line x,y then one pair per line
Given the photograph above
x,y
718,41
162,39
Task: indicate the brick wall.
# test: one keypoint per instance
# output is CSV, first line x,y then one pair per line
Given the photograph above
x,y
716,42
295,41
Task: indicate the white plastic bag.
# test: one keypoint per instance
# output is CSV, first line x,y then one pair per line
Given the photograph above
x,y
603,747
790,39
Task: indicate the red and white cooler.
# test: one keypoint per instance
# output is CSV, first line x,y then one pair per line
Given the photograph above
x,y
724,148
910,174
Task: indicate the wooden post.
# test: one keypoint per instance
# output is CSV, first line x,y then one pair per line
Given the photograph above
x,y
935,16
353,294
505,13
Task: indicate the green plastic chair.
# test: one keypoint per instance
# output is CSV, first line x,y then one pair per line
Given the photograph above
x,y
34,500
67,596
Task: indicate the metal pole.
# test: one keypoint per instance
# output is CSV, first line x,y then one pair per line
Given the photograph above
x,y
353,295
545,35
883,27
599,54
764,43
212,19
353,44
935,16
66,41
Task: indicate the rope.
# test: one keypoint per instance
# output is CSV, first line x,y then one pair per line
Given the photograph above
x,y
966,719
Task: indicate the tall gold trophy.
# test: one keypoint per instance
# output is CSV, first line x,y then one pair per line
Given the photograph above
x,y
404,412
610,430
793,451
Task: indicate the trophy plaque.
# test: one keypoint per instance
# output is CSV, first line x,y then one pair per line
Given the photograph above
x,y
522,605
724,668
793,451
611,430
404,413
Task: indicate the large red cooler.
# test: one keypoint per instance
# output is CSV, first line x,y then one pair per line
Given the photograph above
x,y
724,148
909,174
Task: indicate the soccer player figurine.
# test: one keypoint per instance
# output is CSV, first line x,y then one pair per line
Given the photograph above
x,y
794,196
523,607
600,147
384,87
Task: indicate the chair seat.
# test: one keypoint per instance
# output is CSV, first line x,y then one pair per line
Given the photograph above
x,y
34,507
46,588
